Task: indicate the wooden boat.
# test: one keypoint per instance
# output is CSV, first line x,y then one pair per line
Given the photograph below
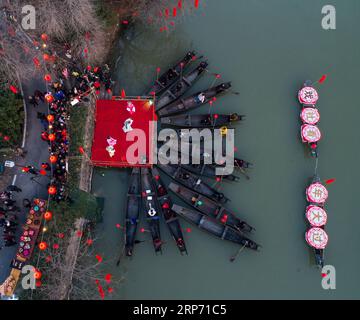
x,y
192,182
209,207
310,116
171,75
204,158
214,227
133,207
150,208
201,120
171,219
208,171
195,101
318,252
181,86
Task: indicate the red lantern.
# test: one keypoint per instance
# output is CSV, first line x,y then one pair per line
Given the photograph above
x,y
50,118
47,78
52,137
13,89
44,37
52,190
49,98
37,275
36,62
42,172
46,57
53,159
48,215
42,246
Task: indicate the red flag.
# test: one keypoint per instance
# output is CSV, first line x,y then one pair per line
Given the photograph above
x,y
108,278
174,12
180,4
330,181
36,62
13,89
323,78
81,150
123,94
196,4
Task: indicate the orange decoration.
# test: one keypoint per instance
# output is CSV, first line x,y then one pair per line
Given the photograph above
x,y
52,137
53,159
42,246
48,215
52,190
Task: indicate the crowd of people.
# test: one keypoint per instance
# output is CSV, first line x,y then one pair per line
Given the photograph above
x,y
8,217
71,87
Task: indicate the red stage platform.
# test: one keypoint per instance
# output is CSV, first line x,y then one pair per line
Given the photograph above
x,y
115,119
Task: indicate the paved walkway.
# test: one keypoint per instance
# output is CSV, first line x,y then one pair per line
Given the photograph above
x,y
37,152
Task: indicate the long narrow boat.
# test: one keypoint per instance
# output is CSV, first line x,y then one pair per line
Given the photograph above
x,y
133,208
185,136
192,182
150,208
181,86
214,227
171,219
316,237
171,75
201,120
208,171
195,101
310,116
209,207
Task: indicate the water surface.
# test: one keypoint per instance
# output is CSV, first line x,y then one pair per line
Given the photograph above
x,y
266,48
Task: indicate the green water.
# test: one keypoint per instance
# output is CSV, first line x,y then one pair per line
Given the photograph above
x,y
267,48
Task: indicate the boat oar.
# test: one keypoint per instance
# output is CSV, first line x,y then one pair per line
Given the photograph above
x,y
232,258
122,253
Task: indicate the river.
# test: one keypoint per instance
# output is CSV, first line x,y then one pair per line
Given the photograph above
x,y
266,48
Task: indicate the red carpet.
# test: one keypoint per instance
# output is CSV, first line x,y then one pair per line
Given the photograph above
x,y
109,135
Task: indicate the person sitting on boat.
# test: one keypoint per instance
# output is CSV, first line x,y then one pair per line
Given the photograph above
x,y
199,99
180,242
185,176
206,121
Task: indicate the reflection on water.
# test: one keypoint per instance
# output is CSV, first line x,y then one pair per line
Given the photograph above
x,y
267,49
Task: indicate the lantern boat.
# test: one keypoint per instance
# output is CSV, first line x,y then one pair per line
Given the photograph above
x,y
165,204
316,237
310,116
181,86
194,101
150,207
192,182
133,208
171,75
214,227
201,120
209,207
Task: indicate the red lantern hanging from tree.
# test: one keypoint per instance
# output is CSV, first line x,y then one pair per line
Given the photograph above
x,y
52,190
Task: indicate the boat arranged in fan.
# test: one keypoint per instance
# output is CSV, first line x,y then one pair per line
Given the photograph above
x,y
165,204
201,120
316,236
133,209
181,86
171,75
192,182
214,227
195,101
209,207
149,207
